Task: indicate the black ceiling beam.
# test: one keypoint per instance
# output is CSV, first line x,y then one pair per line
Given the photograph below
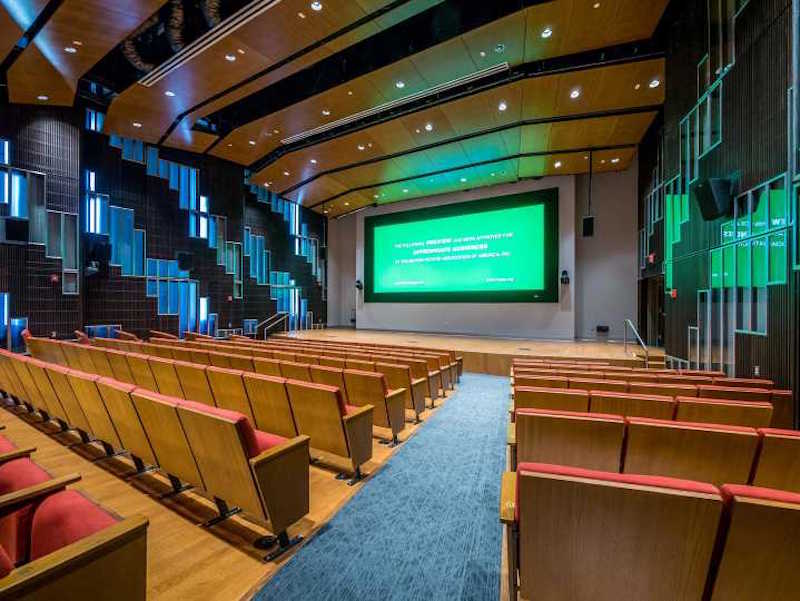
x,y
427,29
620,54
510,157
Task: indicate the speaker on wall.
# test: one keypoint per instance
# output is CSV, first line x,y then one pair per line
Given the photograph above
x,y
588,227
16,230
714,197
185,260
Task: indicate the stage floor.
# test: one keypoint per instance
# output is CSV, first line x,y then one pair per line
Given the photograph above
x,y
490,355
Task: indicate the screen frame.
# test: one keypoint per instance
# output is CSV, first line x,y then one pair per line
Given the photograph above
x,y
549,294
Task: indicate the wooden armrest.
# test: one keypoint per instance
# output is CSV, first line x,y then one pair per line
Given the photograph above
x,y
358,430
282,449
13,501
16,454
511,435
396,409
358,413
508,498
59,565
395,393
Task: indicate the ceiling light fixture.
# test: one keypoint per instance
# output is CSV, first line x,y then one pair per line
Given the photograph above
x,y
655,83
463,180
317,6
230,58
70,49
347,204
169,93
349,92
502,106
286,173
42,97
240,51
575,93
251,142
302,15
399,84
136,124
394,104
429,127
546,33
313,161
557,165
405,190
500,48
361,147
638,86
615,160
326,112
596,5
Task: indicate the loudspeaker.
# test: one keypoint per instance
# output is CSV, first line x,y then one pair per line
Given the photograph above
x,y
16,230
588,227
185,260
713,196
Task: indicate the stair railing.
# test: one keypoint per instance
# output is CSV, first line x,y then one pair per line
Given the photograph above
x,y
629,324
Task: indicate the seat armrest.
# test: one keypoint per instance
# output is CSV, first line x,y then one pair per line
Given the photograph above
x,y
508,498
511,435
358,429
281,474
396,409
11,502
16,454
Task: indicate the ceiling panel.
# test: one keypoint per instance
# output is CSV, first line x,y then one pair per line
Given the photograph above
x,y
11,33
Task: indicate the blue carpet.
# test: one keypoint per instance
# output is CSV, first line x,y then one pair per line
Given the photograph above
x,y
425,527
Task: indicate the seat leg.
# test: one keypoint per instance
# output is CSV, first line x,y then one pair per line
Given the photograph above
x,y
224,513
177,487
512,550
109,450
357,477
141,468
284,544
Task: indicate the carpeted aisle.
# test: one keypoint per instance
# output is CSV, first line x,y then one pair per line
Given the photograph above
x,y
426,526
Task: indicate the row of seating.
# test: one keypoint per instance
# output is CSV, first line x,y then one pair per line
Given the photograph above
x,y
262,473
714,453
271,403
55,543
576,534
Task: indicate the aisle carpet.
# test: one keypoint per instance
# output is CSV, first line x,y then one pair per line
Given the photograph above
x,y
425,527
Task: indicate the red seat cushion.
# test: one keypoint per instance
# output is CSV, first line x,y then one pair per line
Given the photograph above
x,y
251,443
265,441
6,445
64,518
15,528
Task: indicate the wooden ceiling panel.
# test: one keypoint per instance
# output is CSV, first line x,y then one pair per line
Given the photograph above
x,y
497,42
32,77
576,163
11,33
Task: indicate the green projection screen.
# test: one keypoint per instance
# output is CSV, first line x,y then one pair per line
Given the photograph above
x,y
494,250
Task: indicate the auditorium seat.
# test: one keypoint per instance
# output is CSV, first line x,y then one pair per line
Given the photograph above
x,y
264,474
120,368
782,409
759,558
76,417
583,534
399,377
241,362
694,451
589,440
541,381
101,427
52,402
268,367
779,460
218,359
360,364
269,400
344,430
332,361
718,411
141,372
758,395
15,527
743,382
227,386
331,376
166,377
179,353
632,405
528,397
283,356
369,388
295,371
199,356
83,357
604,385
194,382
117,398
100,361
662,389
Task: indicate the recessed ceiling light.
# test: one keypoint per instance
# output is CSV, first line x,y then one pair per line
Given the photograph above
x,y
405,190
276,131
77,43
399,84
42,97
557,165
603,161
70,49
313,161
463,179
575,93
483,53
325,211
429,127
615,160
169,93
655,83
418,130
230,145
137,124
374,196
500,48
251,142
316,6
326,112
301,15
502,106
266,184
596,5
546,32
230,57
349,92
637,86
240,51
286,173
361,147
492,174
347,204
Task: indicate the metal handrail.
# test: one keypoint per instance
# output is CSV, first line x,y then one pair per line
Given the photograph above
x,y
629,324
271,322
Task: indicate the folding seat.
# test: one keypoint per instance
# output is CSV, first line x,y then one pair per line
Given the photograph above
x,y
684,379
157,335
637,378
779,460
582,534
331,376
588,440
133,438
101,365
604,385
242,362
261,354
529,397
672,390
399,377
714,453
269,401
307,358
166,377
320,413
295,371
782,409
220,359
179,353
101,427
743,382
360,364
542,381
141,372
759,559
32,395
718,411
331,361
735,393
159,416
9,381
120,369
52,402
370,388
283,355
268,367
82,356
229,392
199,356
73,360
632,405
264,474
76,417
194,382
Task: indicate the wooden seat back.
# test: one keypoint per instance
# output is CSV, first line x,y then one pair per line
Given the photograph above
x,y
593,384
229,392
141,372
632,405
318,410
268,367
283,356
242,362
587,534
84,357
71,356
269,400
85,388
218,359
706,452
528,397
540,380
331,376
194,382
330,361
779,460
360,364
58,376
166,377
117,398
120,368
735,393
588,440
671,390
199,356
717,411
368,388
52,403
308,359
295,371
744,382
100,361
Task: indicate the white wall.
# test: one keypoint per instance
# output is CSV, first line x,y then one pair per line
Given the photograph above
x,y
606,264
529,320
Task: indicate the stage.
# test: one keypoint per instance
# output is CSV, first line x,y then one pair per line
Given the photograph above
x,y
493,355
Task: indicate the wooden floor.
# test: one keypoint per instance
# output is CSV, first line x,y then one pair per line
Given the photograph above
x,y
489,355
185,560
